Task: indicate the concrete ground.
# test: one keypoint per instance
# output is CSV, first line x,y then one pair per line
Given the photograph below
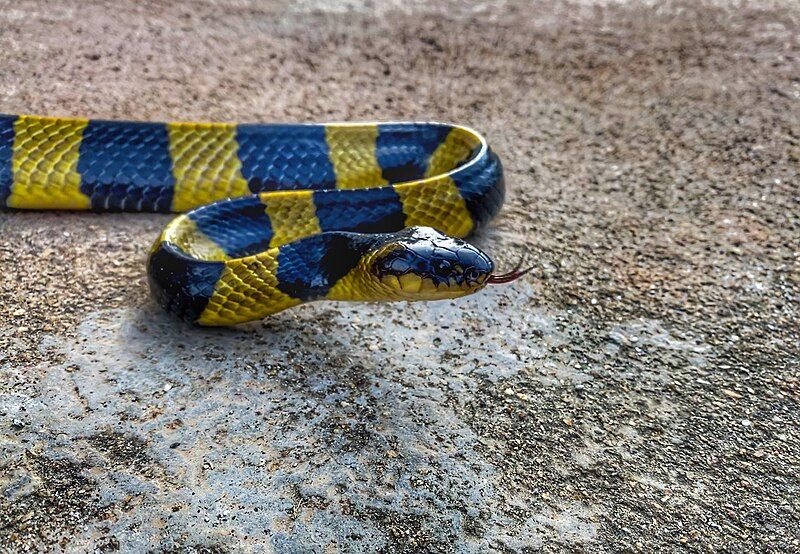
x,y
638,392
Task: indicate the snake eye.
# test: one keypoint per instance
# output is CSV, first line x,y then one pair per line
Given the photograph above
x,y
472,274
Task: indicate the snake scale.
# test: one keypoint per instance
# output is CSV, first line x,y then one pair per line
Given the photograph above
x,y
273,215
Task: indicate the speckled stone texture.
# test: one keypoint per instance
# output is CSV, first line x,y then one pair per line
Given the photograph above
x,y
637,392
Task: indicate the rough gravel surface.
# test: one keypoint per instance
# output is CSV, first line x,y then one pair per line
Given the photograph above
x,y
638,392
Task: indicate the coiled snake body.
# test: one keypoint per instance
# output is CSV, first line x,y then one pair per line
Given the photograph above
x,y
276,215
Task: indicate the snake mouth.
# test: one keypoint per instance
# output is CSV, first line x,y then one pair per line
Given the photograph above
x,y
417,287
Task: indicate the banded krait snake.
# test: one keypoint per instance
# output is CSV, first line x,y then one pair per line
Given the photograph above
x,y
276,215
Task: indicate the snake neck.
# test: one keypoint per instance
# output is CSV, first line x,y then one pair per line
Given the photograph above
x,y
333,265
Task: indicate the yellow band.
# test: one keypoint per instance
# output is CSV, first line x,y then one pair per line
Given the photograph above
x,y
205,164
352,152
435,203
45,164
292,215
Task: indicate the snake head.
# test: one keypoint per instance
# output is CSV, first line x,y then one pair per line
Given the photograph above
x,y
420,263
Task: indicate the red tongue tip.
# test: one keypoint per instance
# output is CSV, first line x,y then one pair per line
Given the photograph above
x,y
512,275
